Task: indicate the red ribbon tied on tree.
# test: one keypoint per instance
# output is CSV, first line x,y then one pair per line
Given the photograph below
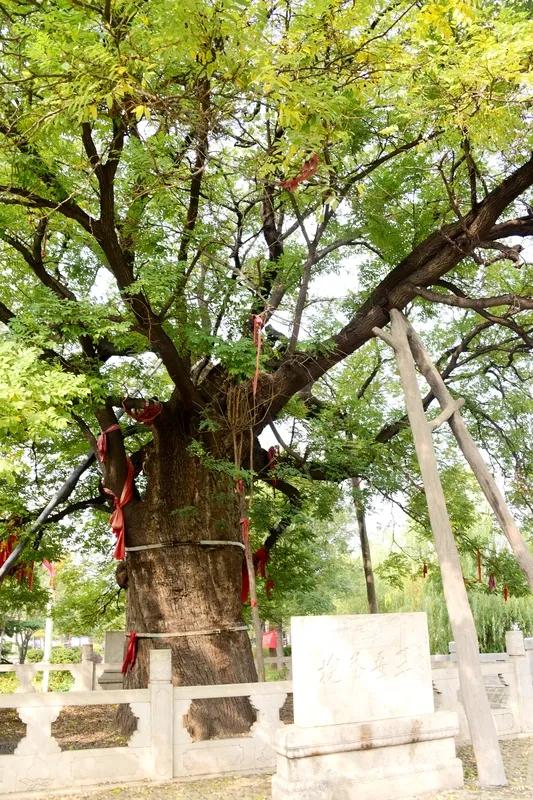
x,y
308,169
6,548
50,567
131,653
25,573
118,523
245,529
260,560
146,415
22,572
101,442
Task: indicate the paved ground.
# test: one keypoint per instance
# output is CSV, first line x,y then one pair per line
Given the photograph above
x,y
518,755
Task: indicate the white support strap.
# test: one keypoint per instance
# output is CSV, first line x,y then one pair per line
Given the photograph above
x,y
207,632
221,542
202,543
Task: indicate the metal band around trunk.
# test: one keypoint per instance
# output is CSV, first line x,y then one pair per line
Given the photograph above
x,y
201,543
205,632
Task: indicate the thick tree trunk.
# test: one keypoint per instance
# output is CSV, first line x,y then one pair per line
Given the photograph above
x,y
365,547
185,586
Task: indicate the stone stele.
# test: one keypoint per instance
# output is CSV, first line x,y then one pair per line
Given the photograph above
x,y
365,725
112,677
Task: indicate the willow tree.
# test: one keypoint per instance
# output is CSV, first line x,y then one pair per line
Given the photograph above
x,y
173,177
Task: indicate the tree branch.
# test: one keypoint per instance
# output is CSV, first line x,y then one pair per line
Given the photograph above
x,y
431,259
516,302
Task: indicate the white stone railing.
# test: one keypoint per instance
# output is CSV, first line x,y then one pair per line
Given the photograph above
x,y
38,764
85,674
242,754
509,682
160,748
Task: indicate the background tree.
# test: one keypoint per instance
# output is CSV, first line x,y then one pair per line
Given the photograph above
x,y
22,612
87,600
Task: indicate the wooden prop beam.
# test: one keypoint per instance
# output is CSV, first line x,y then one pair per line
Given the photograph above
x,y
483,733
472,454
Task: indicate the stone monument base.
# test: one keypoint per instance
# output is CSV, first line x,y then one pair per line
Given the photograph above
x,y
378,760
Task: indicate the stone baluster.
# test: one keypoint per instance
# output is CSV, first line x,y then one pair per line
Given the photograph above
x,y
182,737
523,694
268,708
25,674
87,667
141,736
38,740
162,713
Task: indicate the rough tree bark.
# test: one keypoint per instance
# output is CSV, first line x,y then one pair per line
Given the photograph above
x,y
185,586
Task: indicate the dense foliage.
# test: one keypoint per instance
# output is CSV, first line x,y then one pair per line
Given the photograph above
x,y
170,168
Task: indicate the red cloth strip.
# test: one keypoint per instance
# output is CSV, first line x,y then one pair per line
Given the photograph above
x,y
273,453
245,529
309,168
146,415
6,548
22,572
118,523
101,442
50,567
131,653
506,593
25,573
260,558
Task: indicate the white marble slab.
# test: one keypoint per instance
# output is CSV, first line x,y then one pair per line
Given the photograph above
x,y
358,668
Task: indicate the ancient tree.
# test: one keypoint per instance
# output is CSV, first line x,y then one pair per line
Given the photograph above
x,y
174,178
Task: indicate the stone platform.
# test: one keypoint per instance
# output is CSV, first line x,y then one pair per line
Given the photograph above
x,y
365,725
378,760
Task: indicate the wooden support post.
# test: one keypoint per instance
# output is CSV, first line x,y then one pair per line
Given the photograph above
x,y
473,456
483,734
256,619
446,413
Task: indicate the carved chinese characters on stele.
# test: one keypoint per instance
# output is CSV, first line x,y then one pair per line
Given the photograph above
x,y
359,668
